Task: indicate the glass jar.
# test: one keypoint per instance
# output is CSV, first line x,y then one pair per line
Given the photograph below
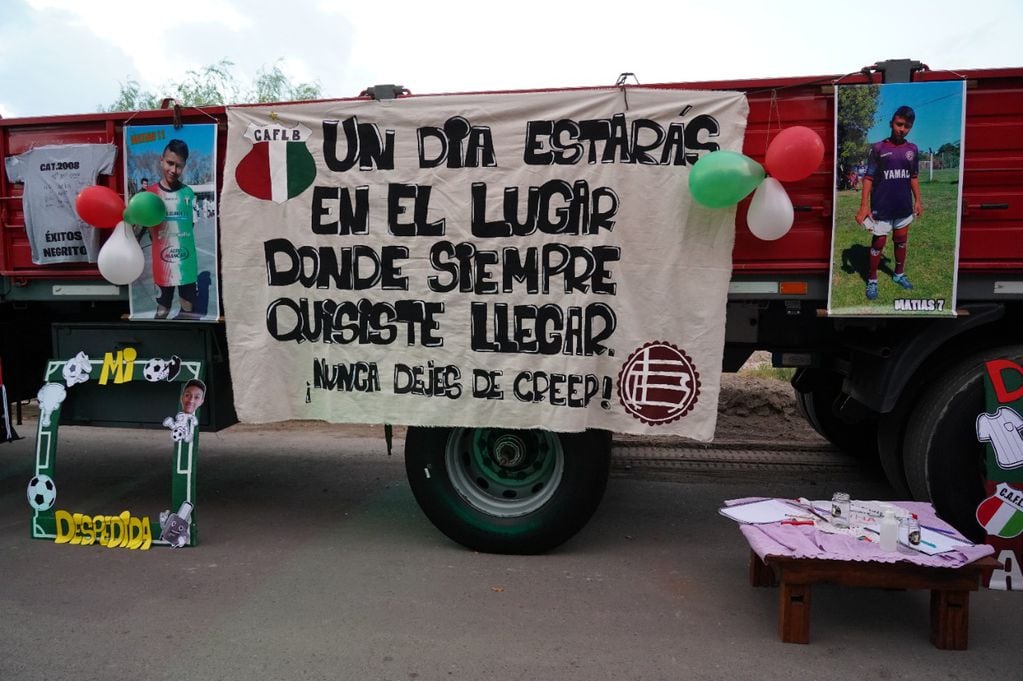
x,y
840,509
909,531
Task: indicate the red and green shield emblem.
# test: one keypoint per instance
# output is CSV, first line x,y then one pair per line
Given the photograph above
x,y
1001,514
279,167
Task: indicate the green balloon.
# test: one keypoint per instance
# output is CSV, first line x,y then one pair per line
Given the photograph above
x,y
146,209
723,178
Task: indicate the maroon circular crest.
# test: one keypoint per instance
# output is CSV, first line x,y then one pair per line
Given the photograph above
x,y
658,383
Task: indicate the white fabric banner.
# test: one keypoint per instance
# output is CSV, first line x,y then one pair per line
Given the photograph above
x,y
506,260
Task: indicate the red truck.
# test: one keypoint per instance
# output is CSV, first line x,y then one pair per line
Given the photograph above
x,y
907,390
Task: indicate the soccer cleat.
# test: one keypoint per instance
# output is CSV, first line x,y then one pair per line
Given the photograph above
x,y
902,281
871,290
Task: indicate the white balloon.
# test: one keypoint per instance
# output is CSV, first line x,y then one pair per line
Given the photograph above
x,y
121,260
770,212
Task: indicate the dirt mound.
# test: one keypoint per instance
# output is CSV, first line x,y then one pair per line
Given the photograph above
x,y
753,408
744,396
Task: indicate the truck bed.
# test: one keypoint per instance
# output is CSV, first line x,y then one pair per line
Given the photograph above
x,y
992,225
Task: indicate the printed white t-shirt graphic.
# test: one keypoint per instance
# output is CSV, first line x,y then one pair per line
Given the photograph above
x,y
1001,429
53,177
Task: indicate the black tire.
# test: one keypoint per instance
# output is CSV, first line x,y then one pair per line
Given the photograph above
x,y
507,491
944,462
891,429
816,404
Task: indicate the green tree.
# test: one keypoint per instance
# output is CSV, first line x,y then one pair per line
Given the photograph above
x,y
949,154
215,84
855,117
272,85
133,98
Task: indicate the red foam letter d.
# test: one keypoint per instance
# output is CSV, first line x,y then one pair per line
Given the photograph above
x,y
994,371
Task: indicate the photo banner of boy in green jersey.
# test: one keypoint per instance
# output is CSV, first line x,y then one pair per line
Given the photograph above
x,y
179,282
898,191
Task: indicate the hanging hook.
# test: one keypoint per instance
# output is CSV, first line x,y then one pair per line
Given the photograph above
x,y
166,103
772,113
620,83
624,76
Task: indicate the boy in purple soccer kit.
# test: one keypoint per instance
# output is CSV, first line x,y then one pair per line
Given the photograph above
x,y
891,196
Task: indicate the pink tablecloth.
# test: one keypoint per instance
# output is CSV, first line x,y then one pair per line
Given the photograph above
x,y
803,541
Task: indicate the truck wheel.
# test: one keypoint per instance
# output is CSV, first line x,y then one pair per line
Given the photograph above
x,y
891,430
816,391
507,491
944,462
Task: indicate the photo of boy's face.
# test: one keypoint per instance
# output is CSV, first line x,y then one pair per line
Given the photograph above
x,y
191,398
173,167
900,128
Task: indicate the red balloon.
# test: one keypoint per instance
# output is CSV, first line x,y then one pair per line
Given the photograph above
x,y
100,206
794,154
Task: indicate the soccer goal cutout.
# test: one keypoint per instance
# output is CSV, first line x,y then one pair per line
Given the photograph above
x,y
123,367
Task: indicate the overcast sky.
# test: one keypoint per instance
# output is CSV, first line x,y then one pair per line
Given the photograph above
x,y
70,56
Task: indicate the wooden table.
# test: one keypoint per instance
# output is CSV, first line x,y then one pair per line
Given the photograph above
x,y
950,590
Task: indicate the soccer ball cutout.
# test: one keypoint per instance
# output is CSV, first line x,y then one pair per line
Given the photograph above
x,y
173,367
182,426
155,370
77,369
42,492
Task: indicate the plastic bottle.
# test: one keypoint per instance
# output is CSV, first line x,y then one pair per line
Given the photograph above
x,y
889,531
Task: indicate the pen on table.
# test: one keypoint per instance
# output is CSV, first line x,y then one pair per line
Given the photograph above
x,y
932,545
950,533
808,507
794,521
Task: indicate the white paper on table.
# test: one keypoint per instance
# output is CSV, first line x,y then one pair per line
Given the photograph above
x,y
942,542
759,512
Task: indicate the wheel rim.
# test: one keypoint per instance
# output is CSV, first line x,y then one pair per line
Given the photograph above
x,y
504,473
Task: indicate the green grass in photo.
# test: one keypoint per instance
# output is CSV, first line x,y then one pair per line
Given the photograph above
x,y
930,255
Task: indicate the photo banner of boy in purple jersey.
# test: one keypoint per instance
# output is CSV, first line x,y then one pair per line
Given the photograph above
x,y
179,282
898,191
